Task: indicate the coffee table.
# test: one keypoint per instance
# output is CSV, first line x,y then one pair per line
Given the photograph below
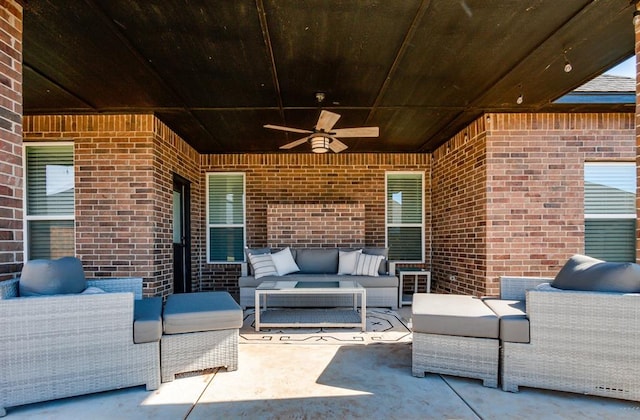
x,y
311,317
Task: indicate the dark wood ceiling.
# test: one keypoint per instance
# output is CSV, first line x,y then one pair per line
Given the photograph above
x,y
217,71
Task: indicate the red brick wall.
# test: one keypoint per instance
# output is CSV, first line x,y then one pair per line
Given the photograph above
x,y
123,192
302,179
11,174
315,225
459,198
514,190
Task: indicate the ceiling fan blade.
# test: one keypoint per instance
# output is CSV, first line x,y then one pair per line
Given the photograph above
x,y
337,146
327,120
295,143
356,132
282,128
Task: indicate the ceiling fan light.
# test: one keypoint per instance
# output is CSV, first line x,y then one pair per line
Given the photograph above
x,y
319,144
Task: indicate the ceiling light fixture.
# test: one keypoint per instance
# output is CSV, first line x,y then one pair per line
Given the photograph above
x,y
636,17
520,99
319,144
567,64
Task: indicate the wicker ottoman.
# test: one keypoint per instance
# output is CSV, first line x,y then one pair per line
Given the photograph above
x,y
455,335
200,331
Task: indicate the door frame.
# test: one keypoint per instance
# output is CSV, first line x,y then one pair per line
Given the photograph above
x,y
183,185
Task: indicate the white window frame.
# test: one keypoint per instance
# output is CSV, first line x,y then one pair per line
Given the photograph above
x,y
610,216
244,216
28,218
421,225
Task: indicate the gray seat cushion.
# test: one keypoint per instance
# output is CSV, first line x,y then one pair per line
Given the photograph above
x,y
365,281
317,260
52,277
204,311
455,315
514,324
581,272
147,320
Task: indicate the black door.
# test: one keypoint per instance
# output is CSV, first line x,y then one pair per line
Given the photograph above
x,y
181,235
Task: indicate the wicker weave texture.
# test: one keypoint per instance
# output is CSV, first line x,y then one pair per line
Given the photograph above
x,y
196,351
585,342
458,356
377,297
515,288
66,345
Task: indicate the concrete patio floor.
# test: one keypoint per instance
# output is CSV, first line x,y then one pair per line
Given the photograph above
x,y
327,381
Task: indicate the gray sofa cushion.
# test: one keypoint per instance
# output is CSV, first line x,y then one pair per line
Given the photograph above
x,y
365,281
456,315
514,324
317,260
203,311
52,277
147,320
581,272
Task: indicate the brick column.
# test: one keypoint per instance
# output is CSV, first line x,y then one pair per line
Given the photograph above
x,y
11,172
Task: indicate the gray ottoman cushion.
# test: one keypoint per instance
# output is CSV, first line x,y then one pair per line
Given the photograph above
x,y
147,320
204,311
581,272
52,277
514,324
454,315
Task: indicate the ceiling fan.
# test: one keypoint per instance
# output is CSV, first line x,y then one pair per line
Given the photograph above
x,y
323,137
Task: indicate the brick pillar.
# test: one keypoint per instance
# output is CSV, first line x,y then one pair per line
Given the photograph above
x,y
11,172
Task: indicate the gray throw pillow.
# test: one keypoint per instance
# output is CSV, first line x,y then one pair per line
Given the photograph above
x,y
52,277
379,251
581,272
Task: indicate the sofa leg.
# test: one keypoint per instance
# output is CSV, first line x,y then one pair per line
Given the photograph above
x,y
509,387
418,373
3,412
231,368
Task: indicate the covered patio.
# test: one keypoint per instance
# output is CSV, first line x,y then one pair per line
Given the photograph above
x,y
147,105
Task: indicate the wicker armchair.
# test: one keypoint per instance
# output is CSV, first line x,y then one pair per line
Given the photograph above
x,y
65,345
584,342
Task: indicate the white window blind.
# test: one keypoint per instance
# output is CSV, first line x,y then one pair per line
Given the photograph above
x,y
610,210
405,216
225,217
49,200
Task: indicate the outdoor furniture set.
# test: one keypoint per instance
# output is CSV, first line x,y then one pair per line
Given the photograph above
x,y
64,336
578,332
369,267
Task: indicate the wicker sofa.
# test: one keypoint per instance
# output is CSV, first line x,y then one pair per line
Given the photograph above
x,y
583,341
323,265
71,344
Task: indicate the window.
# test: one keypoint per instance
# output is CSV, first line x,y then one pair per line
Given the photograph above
x,y
225,217
405,216
610,210
49,202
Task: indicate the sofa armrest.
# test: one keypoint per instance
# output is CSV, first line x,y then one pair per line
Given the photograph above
x,y
515,287
593,322
120,284
244,269
9,289
392,268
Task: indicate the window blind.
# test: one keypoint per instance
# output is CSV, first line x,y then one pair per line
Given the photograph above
x,y
50,180
226,217
405,216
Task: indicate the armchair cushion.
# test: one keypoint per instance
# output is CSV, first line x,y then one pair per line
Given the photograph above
x,y
147,320
581,272
52,277
514,325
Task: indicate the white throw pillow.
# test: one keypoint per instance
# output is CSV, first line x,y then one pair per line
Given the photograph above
x,y
367,265
347,261
263,265
284,262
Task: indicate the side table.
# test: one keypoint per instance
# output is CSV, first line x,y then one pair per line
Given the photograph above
x,y
417,273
